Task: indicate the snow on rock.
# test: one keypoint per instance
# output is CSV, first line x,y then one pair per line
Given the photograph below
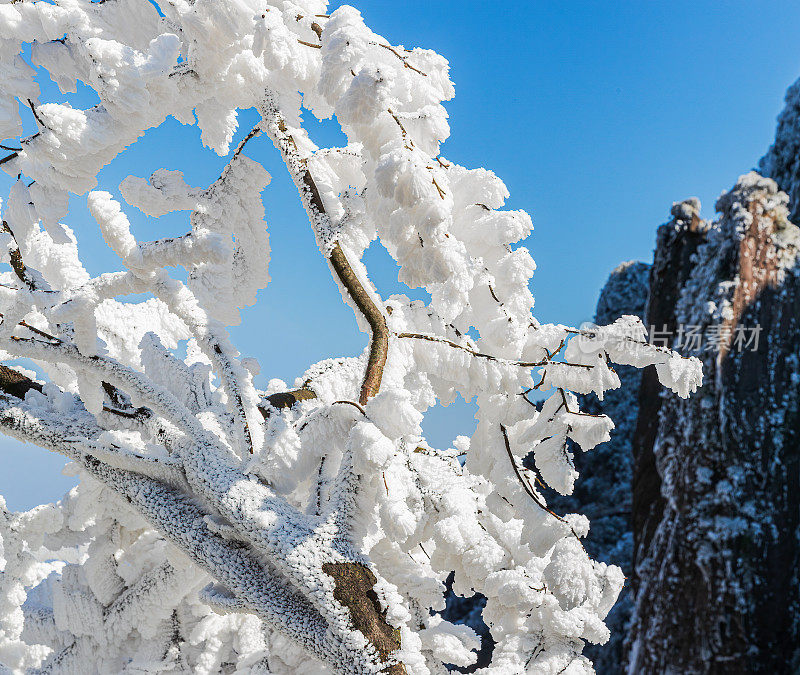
x,y
714,501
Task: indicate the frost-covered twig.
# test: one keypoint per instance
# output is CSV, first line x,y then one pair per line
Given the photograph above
x,y
473,352
522,480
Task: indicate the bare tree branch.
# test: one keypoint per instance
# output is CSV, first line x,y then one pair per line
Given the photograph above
x,y
312,200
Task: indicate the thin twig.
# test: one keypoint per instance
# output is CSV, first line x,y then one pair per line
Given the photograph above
x,y
564,405
529,490
403,131
626,338
233,390
255,131
36,115
531,493
401,57
121,413
357,406
575,412
523,364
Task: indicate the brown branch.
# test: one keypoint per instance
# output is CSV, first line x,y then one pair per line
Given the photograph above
x,y
38,332
16,261
557,349
15,258
379,344
403,131
354,583
357,406
438,189
285,399
354,588
15,383
35,330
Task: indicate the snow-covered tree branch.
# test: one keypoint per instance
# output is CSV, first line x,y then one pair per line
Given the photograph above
x,y
218,527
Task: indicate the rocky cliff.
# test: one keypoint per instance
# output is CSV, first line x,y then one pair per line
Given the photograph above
x,y
715,488
782,161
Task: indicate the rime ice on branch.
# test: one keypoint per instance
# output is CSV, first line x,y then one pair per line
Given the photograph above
x,y
220,527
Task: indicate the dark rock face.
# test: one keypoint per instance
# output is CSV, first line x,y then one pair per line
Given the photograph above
x,y
782,161
716,500
677,241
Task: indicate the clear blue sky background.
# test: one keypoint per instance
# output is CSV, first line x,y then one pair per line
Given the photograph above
x,y
597,116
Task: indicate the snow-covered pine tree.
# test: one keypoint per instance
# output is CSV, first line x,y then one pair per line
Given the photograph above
x,y
219,528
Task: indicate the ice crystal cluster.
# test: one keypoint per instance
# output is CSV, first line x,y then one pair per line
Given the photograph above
x,y
219,528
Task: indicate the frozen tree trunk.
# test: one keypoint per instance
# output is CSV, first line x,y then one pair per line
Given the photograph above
x,y
715,502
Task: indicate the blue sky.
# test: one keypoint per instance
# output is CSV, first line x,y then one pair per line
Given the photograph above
x,y
597,116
